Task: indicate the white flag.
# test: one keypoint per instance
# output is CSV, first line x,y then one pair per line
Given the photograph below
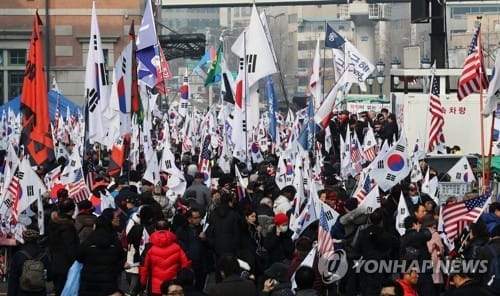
x,y
393,167
123,74
493,95
371,201
322,115
40,215
315,85
401,214
120,98
328,139
358,66
429,187
184,97
107,201
416,171
308,261
31,185
97,88
253,43
462,172
308,214
152,173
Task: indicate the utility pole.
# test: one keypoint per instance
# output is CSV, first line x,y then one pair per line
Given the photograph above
x,y
438,34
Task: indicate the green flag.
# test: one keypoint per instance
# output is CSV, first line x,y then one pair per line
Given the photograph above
x,y
214,71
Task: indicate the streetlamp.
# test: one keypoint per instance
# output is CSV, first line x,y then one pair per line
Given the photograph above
x,y
380,81
380,76
426,62
369,80
380,65
395,64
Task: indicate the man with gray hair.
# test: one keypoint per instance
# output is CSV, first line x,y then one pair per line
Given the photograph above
x,y
265,214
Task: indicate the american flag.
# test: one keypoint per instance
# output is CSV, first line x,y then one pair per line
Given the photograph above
x,y
325,242
457,215
473,76
56,123
363,191
436,135
91,172
355,151
370,145
78,190
204,160
15,192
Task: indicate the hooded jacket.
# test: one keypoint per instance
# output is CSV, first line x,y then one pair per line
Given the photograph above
x,y
103,258
223,234
491,221
63,242
163,260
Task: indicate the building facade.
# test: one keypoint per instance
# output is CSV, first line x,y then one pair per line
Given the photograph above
x,y
66,34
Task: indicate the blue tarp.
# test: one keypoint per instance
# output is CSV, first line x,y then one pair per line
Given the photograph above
x,y
54,99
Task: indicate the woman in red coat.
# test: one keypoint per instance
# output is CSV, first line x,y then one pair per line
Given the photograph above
x,y
162,260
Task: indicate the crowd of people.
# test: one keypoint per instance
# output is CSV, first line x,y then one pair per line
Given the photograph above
x,y
212,242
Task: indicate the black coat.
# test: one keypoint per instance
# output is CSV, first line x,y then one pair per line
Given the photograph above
x,y
485,253
16,267
234,285
102,257
63,242
250,241
223,234
84,224
376,243
280,247
389,132
471,250
417,240
469,288
195,249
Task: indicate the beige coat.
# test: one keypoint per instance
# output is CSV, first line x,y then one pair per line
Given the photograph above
x,y
436,248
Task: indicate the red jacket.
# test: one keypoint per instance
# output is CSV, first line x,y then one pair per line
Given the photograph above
x,y
163,259
408,289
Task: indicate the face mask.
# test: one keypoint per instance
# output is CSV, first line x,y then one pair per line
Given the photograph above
x,y
414,199
284,228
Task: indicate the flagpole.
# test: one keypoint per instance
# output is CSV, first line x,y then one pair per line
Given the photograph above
x,y
479,49
324,67
282,82
245,97
490,155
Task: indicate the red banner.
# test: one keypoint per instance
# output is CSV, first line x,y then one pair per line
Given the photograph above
x,y
36,135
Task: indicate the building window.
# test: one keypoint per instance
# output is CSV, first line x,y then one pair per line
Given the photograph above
x,y
17,57
12,64
15,83
105,52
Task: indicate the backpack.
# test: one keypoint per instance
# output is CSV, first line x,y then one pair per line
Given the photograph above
x,y
493,282
33,273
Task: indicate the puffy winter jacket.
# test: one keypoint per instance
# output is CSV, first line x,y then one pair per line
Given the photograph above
x,y
163,260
